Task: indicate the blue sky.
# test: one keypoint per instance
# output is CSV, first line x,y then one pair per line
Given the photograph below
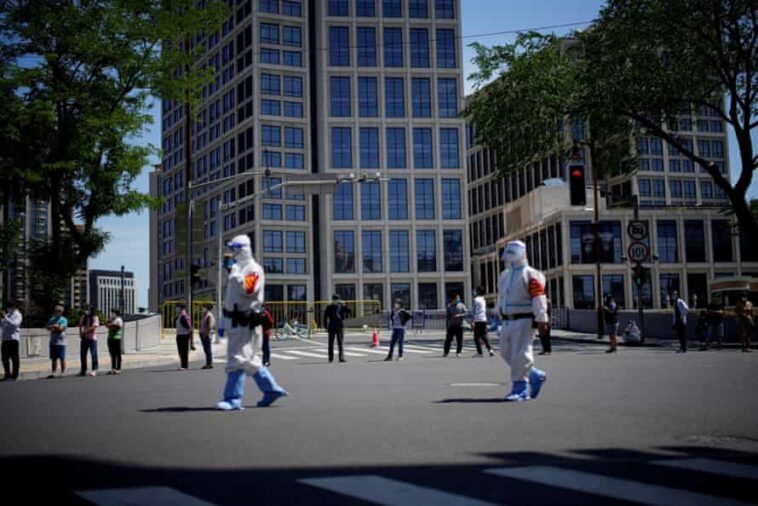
x,y
129,245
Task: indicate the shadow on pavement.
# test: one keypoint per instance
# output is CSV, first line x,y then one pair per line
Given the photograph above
x,y
471,401
65,476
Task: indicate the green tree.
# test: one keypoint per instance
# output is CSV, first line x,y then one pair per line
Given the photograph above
x,y
651,60
81,74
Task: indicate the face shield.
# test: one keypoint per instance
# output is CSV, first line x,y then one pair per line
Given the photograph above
x,y
514,253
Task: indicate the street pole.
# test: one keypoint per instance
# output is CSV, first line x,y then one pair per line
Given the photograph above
x,y
122,305
639,288
596,240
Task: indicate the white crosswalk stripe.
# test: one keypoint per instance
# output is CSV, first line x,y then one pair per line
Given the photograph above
x,y
357,351
144,496
306,353
378,490
377,351
281,356
713,466
615,488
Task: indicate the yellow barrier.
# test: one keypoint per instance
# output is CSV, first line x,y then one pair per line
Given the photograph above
x,y
169,314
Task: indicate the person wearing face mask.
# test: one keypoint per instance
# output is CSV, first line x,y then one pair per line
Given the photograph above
x,y
207,324
88,325
480,322
115,335
521,301
243,309
398,319
456,312
183,335
11,319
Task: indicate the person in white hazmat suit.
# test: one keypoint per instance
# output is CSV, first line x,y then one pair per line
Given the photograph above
x,y
521,300
243,309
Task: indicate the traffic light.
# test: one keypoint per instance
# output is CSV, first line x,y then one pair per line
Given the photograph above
x,y
577,185
194,275
639,275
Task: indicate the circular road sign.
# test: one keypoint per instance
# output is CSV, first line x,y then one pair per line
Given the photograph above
x,y
638,251
637,230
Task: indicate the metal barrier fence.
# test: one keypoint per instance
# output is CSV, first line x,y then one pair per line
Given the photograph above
x,y
169,314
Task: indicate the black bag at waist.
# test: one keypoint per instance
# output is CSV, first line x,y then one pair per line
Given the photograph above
x,y
238,318
518,316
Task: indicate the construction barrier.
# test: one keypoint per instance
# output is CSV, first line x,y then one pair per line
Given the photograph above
x,y
169,314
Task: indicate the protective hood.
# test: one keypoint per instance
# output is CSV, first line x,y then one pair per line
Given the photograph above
x,y
514,254
240,247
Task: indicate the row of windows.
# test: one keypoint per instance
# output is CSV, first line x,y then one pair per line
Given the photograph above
x,y
285,7
341,93
656,188
396,148
398,255
443,9
393,46
276,265
428,293
396,201
706,147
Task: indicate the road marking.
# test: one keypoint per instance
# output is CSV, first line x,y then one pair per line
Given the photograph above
x,y
713,466
146,496
380,490
615,488
410,348
282,357
367,350
306,354
349,354
476,384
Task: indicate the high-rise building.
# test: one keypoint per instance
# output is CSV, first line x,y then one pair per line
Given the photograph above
x,y
109,290
365,90
692,236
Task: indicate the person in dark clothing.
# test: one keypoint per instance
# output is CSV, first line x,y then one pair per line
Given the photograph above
x,y
547,347
268,324
456,311
334,322
480,322
611,317
398,318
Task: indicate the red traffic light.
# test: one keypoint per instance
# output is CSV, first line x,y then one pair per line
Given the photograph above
x,y
577,173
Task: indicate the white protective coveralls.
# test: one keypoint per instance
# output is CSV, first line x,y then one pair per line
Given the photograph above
x,y
243,303
521,300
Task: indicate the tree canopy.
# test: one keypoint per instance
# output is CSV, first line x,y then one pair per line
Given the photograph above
x,y
78,77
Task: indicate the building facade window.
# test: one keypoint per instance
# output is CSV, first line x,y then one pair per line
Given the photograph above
x,y
396,158
295,242
424,193
374,292
343,202
292,36
339,46
369,147
344,251
401,292
451,199
346,291
447,91
371,248
444,9
422,97
418,8
582,237
393,47
342,148
394,101
669,283
667,243
614,284
340,97
446,48
397,199
371,205
452,244
694,240
392,8
293,137
422,148
339,8
426,251
427,296
399,251
272,241
365,8
368,97
449,149
293,87
584,292
419,47
721,236
366,46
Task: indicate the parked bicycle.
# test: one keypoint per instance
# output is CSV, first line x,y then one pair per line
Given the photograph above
x,y
285,330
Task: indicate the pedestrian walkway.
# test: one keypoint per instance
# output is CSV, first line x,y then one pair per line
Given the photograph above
x,y
690,480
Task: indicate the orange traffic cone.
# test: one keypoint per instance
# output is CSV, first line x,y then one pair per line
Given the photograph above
x,y
375,339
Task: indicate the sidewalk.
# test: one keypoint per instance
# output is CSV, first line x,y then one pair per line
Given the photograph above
x,y
164,353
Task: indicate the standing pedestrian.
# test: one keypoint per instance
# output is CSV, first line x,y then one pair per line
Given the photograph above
x,y
479,308
207,324
398,318
243,310
611,317
744,311
11,322
456,312
268,325
545,337
521,301
334,316
715,315
680,321
115,326
88,325
183,335
57,325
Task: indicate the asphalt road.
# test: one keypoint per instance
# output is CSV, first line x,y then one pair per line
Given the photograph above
x,y
643,426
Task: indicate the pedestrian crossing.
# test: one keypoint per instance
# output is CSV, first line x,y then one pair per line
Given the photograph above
x,y
354,351
659,482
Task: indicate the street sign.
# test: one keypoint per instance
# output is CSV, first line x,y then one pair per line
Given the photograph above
x,y
637,230
638,252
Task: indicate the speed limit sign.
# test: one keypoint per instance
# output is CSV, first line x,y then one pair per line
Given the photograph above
x,y
638,251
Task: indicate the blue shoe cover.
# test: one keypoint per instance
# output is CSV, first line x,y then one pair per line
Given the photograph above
x,y
519,392
267,384
537,378
233,391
